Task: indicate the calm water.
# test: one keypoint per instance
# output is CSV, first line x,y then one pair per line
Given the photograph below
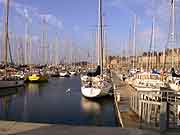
x,y
52,102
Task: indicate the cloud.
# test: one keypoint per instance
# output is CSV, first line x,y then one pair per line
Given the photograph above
x,y
23,11
145,9
31,13
52,20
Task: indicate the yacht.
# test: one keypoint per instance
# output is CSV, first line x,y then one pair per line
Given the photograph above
x,y
7,81
97,84
64,73
148,81
37,77
174,80
10,82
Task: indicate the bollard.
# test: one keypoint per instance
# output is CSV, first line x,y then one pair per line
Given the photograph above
x,y
118,98
163,120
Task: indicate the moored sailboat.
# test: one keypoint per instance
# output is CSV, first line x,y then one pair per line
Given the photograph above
x,y
97,84
7,81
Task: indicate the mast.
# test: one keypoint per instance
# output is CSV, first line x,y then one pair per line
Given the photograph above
x,y
129,47
56,51
151,48
153,43
100,35
104,44
6,31
44,43
173,29
134,42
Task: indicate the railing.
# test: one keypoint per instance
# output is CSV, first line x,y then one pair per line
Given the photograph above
x,y
157,108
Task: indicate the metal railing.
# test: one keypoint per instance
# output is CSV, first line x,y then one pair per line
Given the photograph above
x,y
158,108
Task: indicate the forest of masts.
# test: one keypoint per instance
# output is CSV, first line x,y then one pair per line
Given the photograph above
x,y
31,49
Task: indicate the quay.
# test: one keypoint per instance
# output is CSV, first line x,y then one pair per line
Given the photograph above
x,y
21,128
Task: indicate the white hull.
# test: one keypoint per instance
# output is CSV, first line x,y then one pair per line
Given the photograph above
x,y
91,92
73,73
64,74
11,83
146,89
174,86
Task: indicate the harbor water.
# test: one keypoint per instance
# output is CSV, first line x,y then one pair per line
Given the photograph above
x,y
57,102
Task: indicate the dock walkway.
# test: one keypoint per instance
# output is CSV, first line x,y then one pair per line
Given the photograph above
x,y
123,92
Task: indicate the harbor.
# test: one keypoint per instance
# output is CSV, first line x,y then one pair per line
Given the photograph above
x,y
89,72
54,102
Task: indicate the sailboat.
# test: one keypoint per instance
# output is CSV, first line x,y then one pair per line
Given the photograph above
x,y
97,84
149,80
8,81
173,79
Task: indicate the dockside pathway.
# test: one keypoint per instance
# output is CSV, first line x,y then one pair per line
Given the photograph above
x,y
20,128
123,92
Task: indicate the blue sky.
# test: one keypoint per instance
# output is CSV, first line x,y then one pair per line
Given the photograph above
x,y
76,20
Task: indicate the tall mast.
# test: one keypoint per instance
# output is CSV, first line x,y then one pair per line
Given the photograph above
x,y
56,51
6,31
100,35
153,43
173,29
44,43
151,48
134,41
129,46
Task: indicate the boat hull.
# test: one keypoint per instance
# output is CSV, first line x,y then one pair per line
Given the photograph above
x,y
174,86
11,83
91,92
64,75
37,79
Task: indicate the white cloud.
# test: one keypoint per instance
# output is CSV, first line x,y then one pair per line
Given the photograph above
x,y
148,8
52,20
31,13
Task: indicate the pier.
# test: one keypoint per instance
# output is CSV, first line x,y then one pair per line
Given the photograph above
x,y
145,109
122,93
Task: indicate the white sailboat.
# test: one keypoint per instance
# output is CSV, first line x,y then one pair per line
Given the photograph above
x,y
149,81
8,81
97,84
173,79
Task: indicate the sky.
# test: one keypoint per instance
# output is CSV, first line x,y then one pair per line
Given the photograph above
x,y
76,20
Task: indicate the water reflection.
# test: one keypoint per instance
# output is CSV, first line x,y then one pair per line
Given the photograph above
x,y
33,89
4,106
6,97
50,103
90,106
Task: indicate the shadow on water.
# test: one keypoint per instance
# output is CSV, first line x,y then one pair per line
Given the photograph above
x,y
10,91
57,102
